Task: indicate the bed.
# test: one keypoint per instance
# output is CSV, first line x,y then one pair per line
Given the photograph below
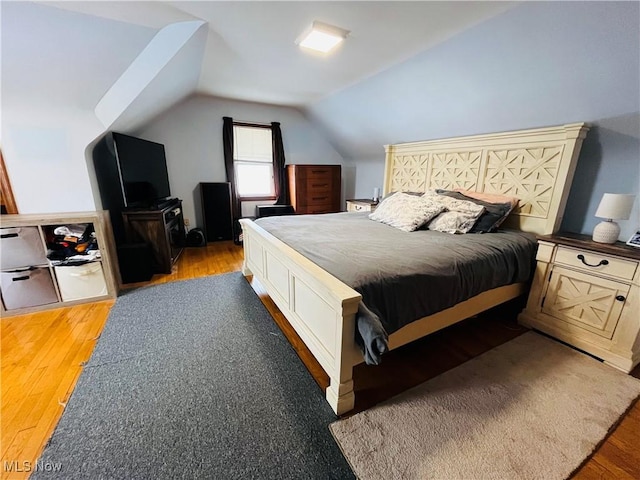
x,y
535,165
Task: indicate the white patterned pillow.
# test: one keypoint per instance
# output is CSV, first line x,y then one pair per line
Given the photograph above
x,y
459,216
406,212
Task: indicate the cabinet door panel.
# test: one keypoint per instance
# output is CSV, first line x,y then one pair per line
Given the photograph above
x,y
593,303
154,234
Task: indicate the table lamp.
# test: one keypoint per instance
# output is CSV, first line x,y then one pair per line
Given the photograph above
x,y
613,206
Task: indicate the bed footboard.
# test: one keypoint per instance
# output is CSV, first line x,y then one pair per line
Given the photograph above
x,y
318,306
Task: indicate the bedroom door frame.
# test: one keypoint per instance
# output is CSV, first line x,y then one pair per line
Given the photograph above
x,y
8,200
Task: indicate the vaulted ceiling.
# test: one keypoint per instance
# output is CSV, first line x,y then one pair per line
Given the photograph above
x,y
74,52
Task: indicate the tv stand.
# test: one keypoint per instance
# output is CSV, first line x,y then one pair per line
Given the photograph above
x,y
162,204
162,228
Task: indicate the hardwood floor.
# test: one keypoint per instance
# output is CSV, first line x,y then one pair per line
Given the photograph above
x,y
42,356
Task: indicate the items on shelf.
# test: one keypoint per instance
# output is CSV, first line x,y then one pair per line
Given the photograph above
x,y
71,244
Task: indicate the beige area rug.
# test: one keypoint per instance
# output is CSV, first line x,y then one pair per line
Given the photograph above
x,y
529,409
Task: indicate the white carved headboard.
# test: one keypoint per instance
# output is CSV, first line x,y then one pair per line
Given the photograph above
x,y
535,165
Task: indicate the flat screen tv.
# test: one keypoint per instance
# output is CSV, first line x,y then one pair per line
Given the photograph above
x,y
143,170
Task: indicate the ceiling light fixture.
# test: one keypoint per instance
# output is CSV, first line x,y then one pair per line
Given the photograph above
x,y
322,37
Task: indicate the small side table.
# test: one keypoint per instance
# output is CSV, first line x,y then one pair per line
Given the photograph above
x,y
588,295
361,205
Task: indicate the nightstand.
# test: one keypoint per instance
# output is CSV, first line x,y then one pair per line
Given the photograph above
x,y
361,205
587,294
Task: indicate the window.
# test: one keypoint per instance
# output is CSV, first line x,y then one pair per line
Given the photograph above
x,y
253,162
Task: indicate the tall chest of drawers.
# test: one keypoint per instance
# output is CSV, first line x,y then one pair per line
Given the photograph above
x,y
588,295
314,188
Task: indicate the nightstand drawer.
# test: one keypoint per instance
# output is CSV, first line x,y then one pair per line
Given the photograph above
x,y
359,207
593,262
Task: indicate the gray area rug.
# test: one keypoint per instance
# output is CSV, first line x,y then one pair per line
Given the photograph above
x,y
529,409
193,379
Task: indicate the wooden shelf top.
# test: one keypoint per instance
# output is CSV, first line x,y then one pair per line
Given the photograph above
x,y
32,219
580,240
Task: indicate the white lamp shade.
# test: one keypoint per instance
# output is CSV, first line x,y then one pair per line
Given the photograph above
x,y
615,206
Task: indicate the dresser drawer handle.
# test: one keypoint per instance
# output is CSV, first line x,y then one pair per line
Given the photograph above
x,y
319,198
602,262
320,185
620,298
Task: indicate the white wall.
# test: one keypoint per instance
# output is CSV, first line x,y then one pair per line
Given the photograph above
x,y
192,135
44,151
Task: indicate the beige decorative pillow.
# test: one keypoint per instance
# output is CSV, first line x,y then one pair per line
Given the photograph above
x,y
460,216
406,212
489,197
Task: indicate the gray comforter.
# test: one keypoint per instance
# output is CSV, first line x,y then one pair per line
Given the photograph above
x,y
403,276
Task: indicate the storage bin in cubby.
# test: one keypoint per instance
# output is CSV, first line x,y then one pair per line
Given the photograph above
x,y
21,247
81,281
29,287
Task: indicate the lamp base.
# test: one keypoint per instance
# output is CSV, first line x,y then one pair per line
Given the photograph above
x,y
606,232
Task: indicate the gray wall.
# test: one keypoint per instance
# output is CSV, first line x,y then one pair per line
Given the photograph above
x,y
192,135
538,64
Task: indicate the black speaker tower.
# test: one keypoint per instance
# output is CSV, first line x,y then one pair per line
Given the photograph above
x,y
216,211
